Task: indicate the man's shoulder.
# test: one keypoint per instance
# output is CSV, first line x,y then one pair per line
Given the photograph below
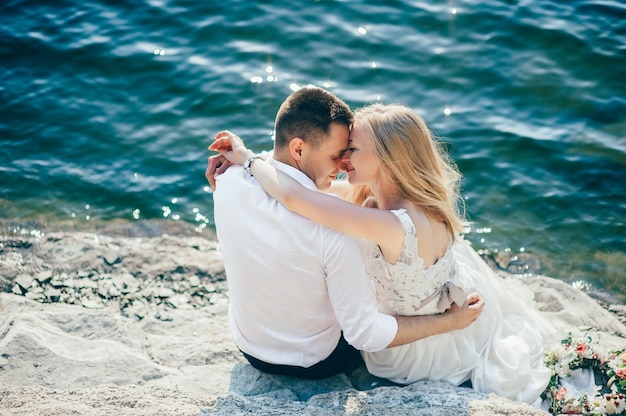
x,y
335,238
232,174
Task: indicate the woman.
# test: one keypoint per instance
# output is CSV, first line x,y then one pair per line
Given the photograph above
x,y
406,201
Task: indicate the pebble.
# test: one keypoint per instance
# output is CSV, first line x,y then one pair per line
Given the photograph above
x,y
167,273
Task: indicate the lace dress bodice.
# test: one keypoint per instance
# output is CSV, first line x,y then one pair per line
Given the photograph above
x,y
406,287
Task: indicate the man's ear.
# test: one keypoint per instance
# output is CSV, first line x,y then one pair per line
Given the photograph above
x,y
295,148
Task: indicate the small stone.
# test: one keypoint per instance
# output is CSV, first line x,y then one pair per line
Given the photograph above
x,y
194,281
62,283
85,283
178,301
43,276
38,296
25,281
54,295
164,292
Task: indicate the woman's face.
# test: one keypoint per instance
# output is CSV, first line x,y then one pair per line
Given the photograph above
x,y
362,164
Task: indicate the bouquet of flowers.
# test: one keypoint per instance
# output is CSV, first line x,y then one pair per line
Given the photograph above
x,y
569,360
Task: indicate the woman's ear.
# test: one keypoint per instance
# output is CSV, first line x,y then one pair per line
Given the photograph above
x,y
295,148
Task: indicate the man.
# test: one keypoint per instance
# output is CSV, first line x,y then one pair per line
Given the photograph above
x,y
301,303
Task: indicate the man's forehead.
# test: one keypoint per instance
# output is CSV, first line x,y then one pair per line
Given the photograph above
x,y
340,145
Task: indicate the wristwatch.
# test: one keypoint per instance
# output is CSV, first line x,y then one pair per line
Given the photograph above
x,y
248,163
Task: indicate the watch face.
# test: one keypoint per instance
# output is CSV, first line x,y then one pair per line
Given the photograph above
x,y
248,163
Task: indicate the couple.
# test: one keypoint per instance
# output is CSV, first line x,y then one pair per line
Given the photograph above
x,y
318,282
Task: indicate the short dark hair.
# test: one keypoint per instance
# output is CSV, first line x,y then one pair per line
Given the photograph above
x,y
308,113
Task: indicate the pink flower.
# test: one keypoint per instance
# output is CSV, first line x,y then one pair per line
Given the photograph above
x,y
560,394
581,348
621,372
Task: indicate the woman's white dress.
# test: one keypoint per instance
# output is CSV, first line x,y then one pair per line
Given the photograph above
x,y
501,352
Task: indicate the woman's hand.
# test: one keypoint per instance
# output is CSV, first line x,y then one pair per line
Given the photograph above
x,y
217,165
231,147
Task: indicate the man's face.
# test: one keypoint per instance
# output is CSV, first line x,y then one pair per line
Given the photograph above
x,y
322,164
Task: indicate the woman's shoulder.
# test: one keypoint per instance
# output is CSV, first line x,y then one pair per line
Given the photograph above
x,y
405,219
432,234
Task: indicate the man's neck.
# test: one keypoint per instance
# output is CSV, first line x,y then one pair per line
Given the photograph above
x,y
284,157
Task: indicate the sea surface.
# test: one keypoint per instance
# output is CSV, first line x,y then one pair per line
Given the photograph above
x,y
107,108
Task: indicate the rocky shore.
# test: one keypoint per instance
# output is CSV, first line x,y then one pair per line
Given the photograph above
x,y
132,321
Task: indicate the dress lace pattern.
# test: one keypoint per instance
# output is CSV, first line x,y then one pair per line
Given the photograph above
x,y
406,287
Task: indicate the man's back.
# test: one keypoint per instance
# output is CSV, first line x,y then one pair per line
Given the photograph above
x,y
294,285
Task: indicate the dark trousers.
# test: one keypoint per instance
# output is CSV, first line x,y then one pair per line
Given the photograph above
x,y
344,359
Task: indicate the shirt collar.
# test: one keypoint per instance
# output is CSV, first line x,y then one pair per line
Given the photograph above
x,y
296,174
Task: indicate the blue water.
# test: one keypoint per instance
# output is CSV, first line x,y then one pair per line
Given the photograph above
x,y
106,108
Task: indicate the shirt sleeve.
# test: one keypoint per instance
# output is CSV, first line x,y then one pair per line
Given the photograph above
x,y
352,297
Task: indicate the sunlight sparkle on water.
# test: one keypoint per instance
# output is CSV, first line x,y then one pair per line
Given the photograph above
x,y
136,214
361,31
447,111
199,60
373,65
256,80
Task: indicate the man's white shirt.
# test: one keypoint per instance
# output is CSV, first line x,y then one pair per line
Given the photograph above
x,y
294,285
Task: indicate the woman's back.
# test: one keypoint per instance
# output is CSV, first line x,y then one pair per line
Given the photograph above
x,y
432,234
411,286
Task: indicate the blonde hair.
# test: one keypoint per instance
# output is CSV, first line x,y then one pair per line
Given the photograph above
x,y
415,162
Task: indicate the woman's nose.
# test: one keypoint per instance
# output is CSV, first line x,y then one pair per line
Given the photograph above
x,y
345,156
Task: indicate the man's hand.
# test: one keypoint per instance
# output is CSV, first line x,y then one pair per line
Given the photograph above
x,y
413,328
466,314
216,166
